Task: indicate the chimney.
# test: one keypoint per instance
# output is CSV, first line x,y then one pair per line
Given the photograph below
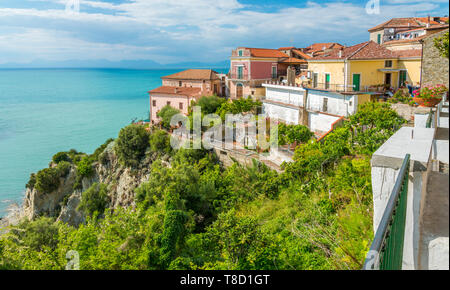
x,y
340,52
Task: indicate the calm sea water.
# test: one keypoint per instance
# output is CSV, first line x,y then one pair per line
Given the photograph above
x,y
43,112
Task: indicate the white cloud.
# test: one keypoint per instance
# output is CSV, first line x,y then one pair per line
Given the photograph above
x,y
195,29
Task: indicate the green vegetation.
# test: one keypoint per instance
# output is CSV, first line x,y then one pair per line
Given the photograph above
x,y
166,114
195,214
290,134
441,43
209,105
131,145
61,156
238,106
94,200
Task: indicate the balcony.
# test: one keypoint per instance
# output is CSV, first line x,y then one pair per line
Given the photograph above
x,y
239,76
341,88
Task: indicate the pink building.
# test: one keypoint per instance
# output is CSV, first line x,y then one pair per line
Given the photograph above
x,y
251,67
179,89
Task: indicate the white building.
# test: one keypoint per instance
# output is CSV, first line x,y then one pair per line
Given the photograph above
x,y
323,108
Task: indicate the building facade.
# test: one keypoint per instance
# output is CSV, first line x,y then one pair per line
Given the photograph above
x,y
180,89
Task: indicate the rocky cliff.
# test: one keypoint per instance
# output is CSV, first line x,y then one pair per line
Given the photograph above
x,y
63,202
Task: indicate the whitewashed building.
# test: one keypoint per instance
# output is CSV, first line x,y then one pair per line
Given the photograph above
x,y
321,112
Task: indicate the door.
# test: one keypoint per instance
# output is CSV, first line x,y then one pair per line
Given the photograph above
x,y
356,82
327,81
325,105
388,79
402,80
239,91
315,79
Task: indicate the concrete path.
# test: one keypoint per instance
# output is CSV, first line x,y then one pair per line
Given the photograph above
x,y
434,244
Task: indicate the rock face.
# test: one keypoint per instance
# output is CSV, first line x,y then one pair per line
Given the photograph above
x,y
435,68
121,183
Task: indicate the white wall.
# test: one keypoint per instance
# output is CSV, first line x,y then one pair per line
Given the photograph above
x,y
321,122
286,114
338,104
285,94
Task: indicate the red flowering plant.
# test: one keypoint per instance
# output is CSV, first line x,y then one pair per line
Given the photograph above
x,y
430,95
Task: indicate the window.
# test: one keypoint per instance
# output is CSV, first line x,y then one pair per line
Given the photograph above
x,y
388,63
154,103
180,84
168,103
240,53
325,104
240,72
315,79
379,38
327,81
180,106
274,72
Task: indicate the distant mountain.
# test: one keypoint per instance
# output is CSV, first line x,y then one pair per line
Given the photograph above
x,y
101,63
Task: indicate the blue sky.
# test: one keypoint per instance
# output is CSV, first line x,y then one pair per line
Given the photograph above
x,y
174,31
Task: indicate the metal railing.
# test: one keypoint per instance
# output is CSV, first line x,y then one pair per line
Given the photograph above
x,y
430,119
330,87
386,251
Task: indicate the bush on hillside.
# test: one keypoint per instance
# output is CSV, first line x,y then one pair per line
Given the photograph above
x,y
94,199
131,144
166,115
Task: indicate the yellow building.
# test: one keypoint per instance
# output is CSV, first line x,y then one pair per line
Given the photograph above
x,y
365,67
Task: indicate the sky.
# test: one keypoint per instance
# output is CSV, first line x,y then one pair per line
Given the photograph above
x,y
179,31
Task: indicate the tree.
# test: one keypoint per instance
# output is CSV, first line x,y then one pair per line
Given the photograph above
x,y
94,199
166,114
209,104
131,145
441,43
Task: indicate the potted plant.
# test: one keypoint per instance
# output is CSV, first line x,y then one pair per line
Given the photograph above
x,y
429,96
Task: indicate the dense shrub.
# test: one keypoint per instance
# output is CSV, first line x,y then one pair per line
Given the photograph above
x,y
84,167
239,106
96,155
289,134
61,156
160,141
209,104
94,199
131,144
47,180
166,115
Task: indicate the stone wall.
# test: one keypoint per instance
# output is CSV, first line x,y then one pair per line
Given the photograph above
x,y
434,67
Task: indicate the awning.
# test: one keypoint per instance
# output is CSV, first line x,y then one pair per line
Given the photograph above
x,y
391,70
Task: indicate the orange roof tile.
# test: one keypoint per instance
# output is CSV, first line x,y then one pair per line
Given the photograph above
x,y
294,60
408,22
323,46
178,91
194,74
266,52
365,50
286,48
409,53
301,53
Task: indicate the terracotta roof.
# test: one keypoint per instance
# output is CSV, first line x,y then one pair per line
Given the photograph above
x,y
301,53
194,74
409,22
321,46
294,60
440,26
409,53
265,52
178,91
365,50
286,48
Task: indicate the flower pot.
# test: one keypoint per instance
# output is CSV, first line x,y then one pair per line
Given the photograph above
x,y
429,103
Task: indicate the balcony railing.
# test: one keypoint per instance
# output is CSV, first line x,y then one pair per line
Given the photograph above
x,y
237,76
386,252
343,88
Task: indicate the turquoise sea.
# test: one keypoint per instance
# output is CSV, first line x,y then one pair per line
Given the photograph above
x,y
44,111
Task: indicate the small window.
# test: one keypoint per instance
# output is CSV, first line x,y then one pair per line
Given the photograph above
x,y
168,103
180,106
388,63
351,103
180,83
154,103
240,52
325,104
